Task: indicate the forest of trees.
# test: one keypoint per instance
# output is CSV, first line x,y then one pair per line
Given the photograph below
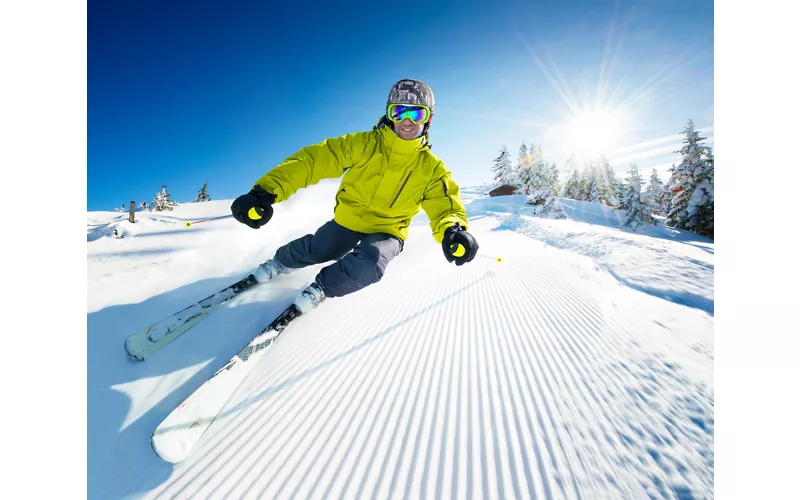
x,y
686,200
162,201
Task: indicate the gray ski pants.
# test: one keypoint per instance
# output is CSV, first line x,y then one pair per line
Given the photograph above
x,y
352,271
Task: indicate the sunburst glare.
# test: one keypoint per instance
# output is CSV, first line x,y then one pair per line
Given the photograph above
x,y
594,132
597,118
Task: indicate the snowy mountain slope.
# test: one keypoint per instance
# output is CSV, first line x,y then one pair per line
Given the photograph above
x,y
647,259
549,374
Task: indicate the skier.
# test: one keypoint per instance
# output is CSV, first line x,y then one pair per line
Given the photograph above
x,y
389,174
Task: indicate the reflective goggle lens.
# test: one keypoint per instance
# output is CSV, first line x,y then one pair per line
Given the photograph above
x,y
399,112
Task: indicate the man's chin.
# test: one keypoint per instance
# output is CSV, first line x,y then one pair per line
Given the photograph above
x,y
404,137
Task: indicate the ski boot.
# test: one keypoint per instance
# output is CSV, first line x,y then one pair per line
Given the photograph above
x,y
310,298
269,270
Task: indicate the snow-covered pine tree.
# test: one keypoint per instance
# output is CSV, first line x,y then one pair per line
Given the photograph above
x,y
522,158
203,194
666,196
594,191
690,210
554,180
525,175
610,188
543,178
680,189
530,176
605,195
655,193
637,208
572,188
619,190
503,170
544,202
539,187
701,204
145,206
585,180
162,201
590,191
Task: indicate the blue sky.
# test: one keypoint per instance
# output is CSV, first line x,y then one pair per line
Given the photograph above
x,y
180,93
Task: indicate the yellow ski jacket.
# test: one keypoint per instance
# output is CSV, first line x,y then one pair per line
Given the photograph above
x,y
386,181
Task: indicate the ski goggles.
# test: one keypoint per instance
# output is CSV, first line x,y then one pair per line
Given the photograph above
x,y
418,114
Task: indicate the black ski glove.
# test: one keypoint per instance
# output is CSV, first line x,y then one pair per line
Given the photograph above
x,y
458,245
254,208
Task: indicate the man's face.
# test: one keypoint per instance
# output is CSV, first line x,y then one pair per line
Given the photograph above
x,y
407,130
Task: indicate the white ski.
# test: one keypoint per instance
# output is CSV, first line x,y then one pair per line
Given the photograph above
x,y
148,341
175,437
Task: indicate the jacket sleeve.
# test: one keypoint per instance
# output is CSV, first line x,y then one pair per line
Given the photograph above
x,y
328,159
442,203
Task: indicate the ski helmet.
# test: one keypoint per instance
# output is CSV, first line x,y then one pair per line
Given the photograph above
x,y
412,92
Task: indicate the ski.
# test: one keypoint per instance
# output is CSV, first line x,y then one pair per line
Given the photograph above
x,y
144,343
175,437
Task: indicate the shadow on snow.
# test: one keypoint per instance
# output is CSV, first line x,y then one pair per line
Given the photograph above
x,y
120,461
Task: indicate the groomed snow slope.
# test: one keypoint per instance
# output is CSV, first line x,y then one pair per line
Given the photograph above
x,y
580,366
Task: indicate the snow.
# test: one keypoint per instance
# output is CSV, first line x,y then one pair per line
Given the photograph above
x,y
579,366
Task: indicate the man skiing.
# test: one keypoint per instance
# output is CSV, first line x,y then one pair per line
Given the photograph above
x,y
389,174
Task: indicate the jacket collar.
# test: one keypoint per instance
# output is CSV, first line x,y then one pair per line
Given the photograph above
x,y
397,145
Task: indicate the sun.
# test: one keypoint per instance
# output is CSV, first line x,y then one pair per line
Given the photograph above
x,y
594,132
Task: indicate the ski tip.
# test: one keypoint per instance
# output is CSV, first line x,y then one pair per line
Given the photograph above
x,y
131,353
171,454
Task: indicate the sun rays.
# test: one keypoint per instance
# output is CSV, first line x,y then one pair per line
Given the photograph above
x,y
601,116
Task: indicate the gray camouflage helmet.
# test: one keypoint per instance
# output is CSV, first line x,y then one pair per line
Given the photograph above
x,y
412,92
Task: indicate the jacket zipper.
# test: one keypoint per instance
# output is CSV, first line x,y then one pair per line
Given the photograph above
x,y
337,199
444,188
401,190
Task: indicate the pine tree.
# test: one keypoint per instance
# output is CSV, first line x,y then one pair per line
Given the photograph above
x,y
619,191
655,193
555,184
691,185
638,211
666,196
203,194
701,204
503,171
590,183
594,190
538,184
604,178
535,172
145,206
162,201
590,190
584,180
522,158
572,188
525,175
613,191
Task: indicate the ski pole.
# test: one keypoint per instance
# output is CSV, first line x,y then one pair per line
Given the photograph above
x,y
495,258
459,250
189,224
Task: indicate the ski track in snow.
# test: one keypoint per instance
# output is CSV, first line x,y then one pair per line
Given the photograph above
x,y
536,377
